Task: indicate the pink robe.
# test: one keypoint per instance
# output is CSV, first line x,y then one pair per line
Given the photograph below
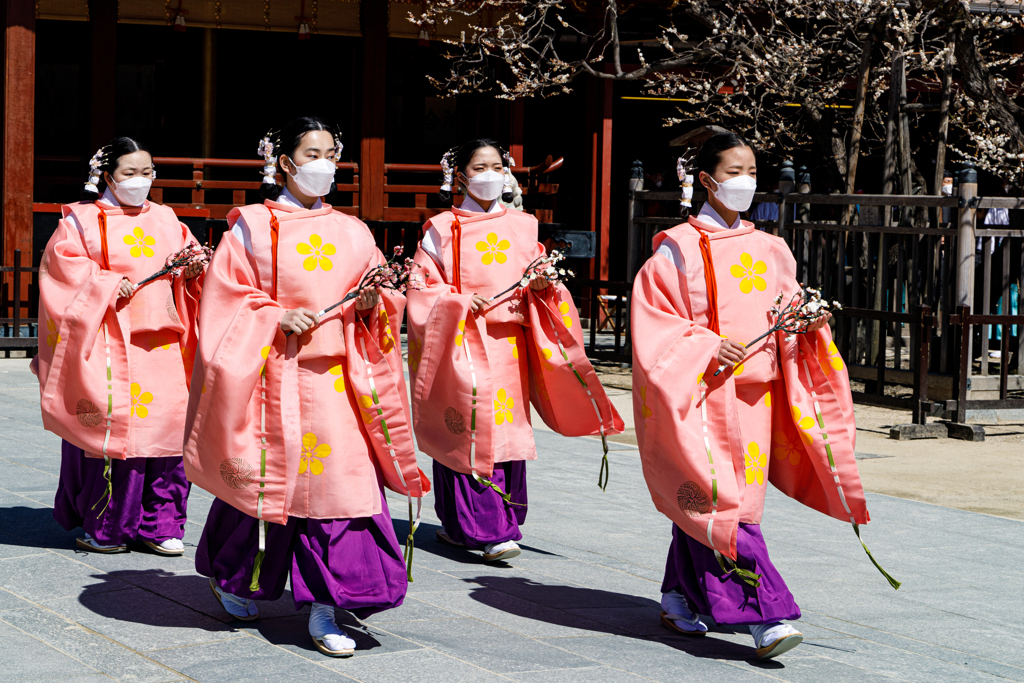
x,y
709,445
298,426
113,372
474,376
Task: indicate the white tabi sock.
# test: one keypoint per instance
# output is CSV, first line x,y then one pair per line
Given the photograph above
x,y
322,626
678,610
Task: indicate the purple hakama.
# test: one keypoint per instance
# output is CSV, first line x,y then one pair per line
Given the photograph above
x,y
474,514
352,564
693,570
148,502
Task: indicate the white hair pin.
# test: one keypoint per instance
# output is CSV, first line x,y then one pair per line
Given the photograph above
x,y
685,182
266,150
93,184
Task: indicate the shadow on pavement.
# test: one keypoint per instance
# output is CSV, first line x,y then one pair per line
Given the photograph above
x,y
278,623
553,599
34,528
426,541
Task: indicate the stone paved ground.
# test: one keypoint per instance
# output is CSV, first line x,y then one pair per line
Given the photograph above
x,y
580,604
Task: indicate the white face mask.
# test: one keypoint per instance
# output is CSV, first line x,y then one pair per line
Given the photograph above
x,y
133,191
947,190
487,185
315,178
737,193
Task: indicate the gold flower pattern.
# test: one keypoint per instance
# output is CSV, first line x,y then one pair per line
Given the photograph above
x,y
493,249
316,252
139,400
140,243
312,454
749,273
503,405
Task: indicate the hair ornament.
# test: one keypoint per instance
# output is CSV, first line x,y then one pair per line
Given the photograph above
x,y
509,163
337,146
266,150
93,183
685,182
448,169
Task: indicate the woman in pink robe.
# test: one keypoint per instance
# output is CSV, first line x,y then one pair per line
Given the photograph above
x,y
781,411
116,362
479,355
296,422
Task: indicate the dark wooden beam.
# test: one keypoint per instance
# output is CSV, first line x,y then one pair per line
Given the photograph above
x,y
515,143
374,15
103,22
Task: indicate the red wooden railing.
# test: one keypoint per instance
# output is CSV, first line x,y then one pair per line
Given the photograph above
x,y
539,193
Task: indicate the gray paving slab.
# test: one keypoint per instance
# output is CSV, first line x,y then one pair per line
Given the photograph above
x,y
49,576
98,652
244,659
690,659
525,617
493,648
580,603
415,608
24,658
594,674
418,666
9,601
142,620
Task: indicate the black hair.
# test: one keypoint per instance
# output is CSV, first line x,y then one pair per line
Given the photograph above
x,y
710,154
112,153
464,154
285,145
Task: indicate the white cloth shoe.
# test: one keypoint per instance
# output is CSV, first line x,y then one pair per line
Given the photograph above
x,y
90,543
771,640
172,546
242,609
676,612
327,637
501,551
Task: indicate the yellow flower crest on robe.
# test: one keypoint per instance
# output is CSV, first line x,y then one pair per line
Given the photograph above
x,y
140,243
415,354
52,335
503,408
749,273
312,452
755,463
339,384
366,403
493,249
139,400
317,252
804,423
829,359
645,410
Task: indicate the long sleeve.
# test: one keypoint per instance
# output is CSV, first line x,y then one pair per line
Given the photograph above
x,y
87,333
686,419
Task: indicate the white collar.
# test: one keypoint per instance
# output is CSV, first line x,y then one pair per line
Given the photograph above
x,y
109,199
288,199
709,212
469,204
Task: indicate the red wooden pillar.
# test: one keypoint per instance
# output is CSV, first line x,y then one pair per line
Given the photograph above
x,y
103,23
599,107
374,15
606,175
18,131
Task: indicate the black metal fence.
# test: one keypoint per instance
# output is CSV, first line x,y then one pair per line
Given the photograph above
x,y
900,265
19,306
